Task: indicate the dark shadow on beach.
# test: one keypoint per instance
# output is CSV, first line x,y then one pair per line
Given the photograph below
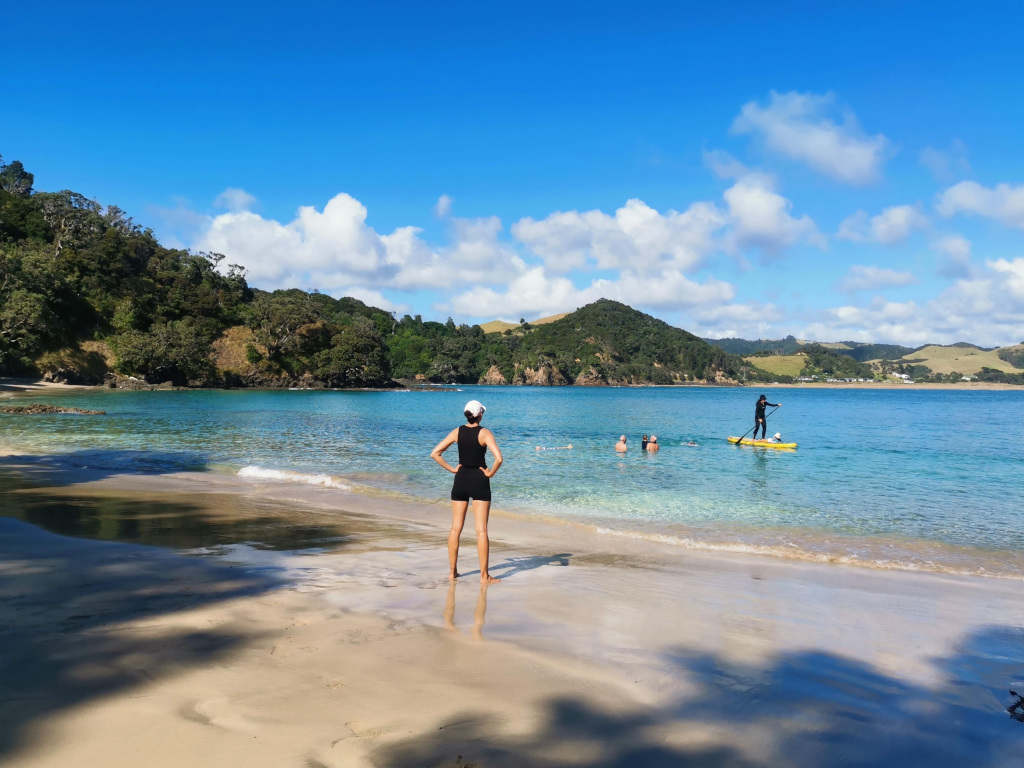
x,y
56,470
62,598
806,709
516,565
60,602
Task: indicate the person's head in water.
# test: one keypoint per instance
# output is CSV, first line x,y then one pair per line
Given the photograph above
x,y
653,439
474,411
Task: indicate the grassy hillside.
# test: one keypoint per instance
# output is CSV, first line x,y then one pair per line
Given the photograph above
x,y
780,365
500,326
967,360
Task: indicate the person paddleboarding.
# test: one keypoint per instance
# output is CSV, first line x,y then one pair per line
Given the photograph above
x,y
472,481
759,420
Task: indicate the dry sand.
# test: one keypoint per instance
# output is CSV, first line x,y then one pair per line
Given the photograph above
x,y
338,642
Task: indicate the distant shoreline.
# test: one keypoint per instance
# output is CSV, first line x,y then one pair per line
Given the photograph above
x,y
20,385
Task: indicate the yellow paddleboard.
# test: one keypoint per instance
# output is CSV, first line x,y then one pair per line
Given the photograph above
x,y
760,443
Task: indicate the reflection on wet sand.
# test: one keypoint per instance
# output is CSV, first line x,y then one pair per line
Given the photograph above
x,y
478,615
190,521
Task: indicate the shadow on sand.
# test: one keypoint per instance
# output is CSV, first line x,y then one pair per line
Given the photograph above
x,y
61,599
807,710
56,470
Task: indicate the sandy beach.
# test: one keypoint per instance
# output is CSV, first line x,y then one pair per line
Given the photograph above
x,y
196,619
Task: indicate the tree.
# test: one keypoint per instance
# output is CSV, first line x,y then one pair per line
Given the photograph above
x,y
357,357
178,352
14,179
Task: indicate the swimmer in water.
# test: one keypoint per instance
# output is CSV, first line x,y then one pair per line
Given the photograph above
x,y
652,444
621,445
472,481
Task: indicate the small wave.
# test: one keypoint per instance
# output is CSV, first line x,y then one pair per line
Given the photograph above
x,y
287,476
795,552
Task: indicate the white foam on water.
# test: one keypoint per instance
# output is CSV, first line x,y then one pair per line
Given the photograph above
x,y
287,476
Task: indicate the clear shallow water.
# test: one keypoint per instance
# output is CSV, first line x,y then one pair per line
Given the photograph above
x,y
891,478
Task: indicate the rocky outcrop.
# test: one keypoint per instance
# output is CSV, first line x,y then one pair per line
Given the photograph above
x,y
493,376
590,378
116,381
543,376
37,409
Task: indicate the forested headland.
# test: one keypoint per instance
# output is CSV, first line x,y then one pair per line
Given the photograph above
x,y
89,296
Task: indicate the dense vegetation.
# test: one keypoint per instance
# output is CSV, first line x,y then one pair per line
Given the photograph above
x,y
748,348
790,346
1013,355
610,342
71,271
83,288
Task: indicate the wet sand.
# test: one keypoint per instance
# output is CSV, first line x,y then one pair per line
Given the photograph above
x,y
197,619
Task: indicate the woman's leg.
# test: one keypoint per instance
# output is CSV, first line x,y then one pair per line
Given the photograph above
x,y
458,520
481,511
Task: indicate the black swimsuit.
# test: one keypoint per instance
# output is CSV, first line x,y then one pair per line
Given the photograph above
x,y
470,481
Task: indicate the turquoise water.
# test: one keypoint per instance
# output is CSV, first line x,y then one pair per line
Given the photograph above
x,y
890,478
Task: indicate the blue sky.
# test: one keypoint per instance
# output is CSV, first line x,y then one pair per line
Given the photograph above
x,y
846,172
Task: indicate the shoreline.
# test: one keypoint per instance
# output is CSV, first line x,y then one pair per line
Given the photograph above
x,y
14,385
807,547
213,650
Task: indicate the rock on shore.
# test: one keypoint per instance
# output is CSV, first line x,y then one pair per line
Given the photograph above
x,y
37,409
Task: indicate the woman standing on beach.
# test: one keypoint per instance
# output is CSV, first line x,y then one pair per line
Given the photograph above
x,y
472,481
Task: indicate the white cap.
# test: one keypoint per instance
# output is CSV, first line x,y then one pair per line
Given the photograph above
x,y
777,435
474,408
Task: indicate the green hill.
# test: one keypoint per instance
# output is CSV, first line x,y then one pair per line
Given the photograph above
x,y
609,342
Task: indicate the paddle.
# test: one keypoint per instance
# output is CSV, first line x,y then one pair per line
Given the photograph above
x,y
773,410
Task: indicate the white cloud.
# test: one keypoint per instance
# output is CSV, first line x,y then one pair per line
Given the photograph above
x,y
760,217
335,244
1004,203
637,237
956,253
335,248
235,199
748,320
867,278
987,308
443,207
891,227
945,165
799,126
536,293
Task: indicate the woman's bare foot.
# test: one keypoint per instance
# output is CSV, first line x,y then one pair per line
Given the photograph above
x,y
453,575
489,580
